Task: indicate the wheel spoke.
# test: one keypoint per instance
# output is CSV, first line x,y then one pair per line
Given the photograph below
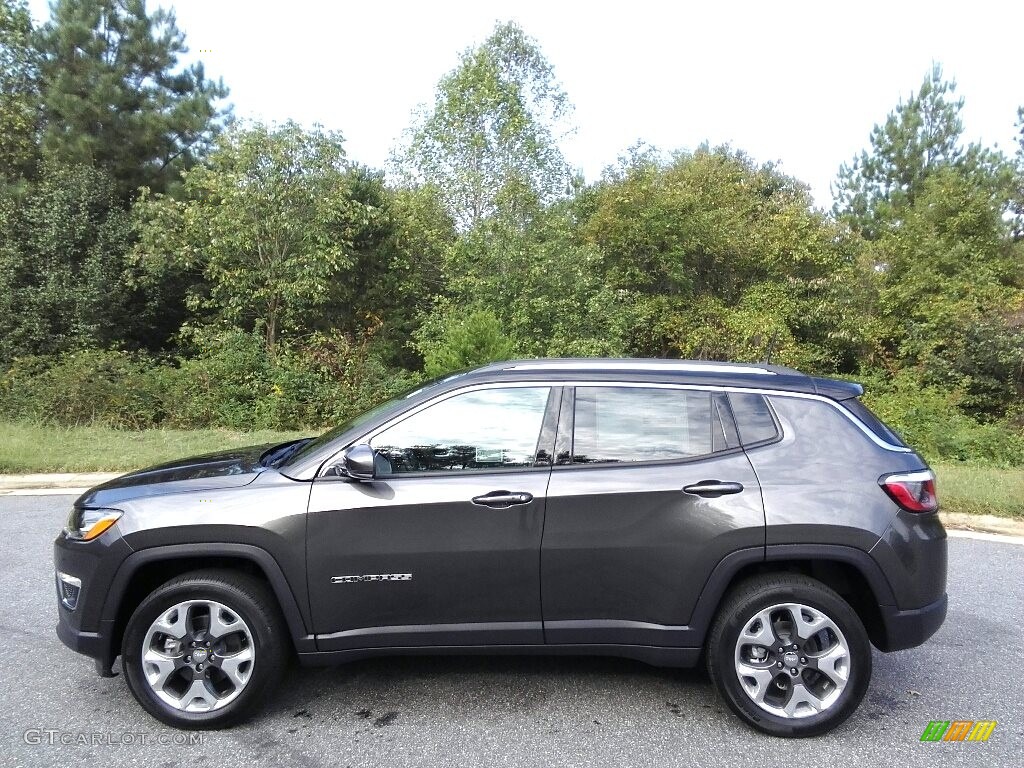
x,y
222,621
157,668
805,627
174,622
755,680
238,667
800,699
198,697
834,664
759,631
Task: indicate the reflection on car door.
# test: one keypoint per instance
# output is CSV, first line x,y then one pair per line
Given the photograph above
x,y
648,495
443,548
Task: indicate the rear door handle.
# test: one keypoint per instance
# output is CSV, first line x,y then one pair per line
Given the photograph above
x,y
503,499
712,489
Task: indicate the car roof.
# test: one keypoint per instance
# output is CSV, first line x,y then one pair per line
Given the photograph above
x,y
708,372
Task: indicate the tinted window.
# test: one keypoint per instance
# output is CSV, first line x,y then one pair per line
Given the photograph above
x,y
753,418
619,424
872,422
486,429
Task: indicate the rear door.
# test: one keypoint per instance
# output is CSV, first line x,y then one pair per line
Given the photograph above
x,y
443,547
649,491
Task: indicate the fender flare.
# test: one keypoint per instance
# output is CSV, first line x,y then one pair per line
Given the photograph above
x,y
297,627
723,574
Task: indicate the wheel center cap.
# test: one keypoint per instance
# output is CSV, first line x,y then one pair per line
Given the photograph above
x,y
199,655
790,659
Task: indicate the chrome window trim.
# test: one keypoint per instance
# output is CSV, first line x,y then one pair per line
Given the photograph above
x,y
366,437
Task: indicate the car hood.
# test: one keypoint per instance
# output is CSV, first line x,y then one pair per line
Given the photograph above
x,y
227,469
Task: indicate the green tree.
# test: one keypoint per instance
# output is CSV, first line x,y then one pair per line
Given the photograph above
x,y
473,340
717,256
950,285
19,92
488,144
63,280
397,277
115,96
922,135
266,230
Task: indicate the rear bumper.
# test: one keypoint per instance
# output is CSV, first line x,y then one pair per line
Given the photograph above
x,y
908,629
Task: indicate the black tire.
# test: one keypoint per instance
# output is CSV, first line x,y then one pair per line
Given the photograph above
x,y
244,595
741,605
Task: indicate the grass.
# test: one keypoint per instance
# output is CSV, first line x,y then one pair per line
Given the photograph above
x,y
981,490
26,448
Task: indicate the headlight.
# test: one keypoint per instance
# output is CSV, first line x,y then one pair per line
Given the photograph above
x,y
87,524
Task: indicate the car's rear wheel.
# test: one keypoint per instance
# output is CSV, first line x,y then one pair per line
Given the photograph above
x,y
204,649
789,655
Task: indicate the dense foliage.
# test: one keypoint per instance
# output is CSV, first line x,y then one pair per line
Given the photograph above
x,y
161,264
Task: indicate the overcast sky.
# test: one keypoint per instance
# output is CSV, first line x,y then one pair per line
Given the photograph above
x,y
796,82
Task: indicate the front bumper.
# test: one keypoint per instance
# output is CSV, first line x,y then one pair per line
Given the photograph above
x,y
94,564
908,629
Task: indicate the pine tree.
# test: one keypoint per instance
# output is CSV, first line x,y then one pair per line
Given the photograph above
x,y
115,96
922,134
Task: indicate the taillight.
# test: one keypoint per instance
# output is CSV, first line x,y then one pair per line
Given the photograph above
x,y
913,491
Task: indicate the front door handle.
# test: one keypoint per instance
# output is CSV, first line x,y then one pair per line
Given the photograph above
x,y
712,489
503,499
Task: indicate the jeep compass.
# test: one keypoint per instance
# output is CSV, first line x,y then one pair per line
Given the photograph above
x,y
747,517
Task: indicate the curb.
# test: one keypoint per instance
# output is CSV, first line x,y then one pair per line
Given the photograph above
x,y
51,484
1003,526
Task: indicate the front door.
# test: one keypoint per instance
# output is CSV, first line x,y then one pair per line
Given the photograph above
x,y
650,492
443,547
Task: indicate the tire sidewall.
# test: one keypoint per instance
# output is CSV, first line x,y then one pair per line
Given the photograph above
x,y
728,682
267,652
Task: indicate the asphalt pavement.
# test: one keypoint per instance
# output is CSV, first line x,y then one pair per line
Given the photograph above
x,y
505,711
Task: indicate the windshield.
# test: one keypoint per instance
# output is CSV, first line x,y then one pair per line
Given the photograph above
x,y
315,444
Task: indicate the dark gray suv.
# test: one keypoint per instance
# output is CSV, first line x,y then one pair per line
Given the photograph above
x,y
749,516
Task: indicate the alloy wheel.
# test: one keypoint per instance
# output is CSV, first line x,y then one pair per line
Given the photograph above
x,y
198,655
792,660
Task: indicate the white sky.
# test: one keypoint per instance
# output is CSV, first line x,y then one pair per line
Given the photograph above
x,y
796,82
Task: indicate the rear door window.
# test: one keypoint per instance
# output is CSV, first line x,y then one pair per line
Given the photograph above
x,y
635,424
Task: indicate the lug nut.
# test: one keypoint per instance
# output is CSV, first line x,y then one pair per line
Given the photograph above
x,y
188,658
793,671
778,664
199,667
803,660
794,646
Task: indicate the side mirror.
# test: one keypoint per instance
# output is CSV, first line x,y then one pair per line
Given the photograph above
x,y
358,462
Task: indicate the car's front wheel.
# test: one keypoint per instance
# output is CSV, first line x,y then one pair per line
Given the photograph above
x,y
789,655
204,649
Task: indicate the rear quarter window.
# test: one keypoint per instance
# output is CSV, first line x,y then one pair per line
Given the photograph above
x,y
872,422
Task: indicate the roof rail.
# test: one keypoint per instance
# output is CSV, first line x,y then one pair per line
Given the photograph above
x,y
632,365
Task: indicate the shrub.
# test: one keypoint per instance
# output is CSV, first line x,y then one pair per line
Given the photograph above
x,y
932,421
233,382
475,339
95,387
